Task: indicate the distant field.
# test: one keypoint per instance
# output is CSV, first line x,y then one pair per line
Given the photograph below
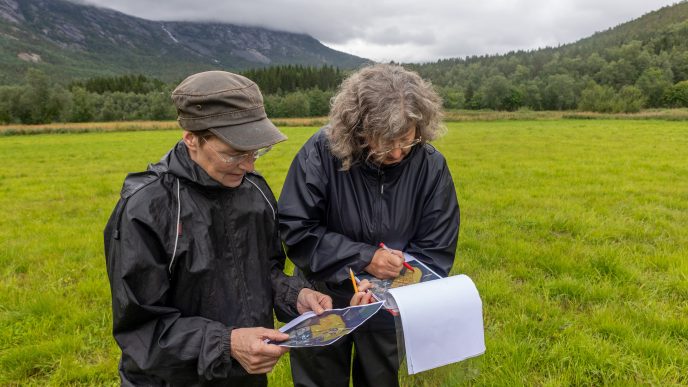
x,y
574,232
450,116
128,126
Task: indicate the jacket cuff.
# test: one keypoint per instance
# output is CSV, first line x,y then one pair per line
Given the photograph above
x,y
366,253
292,294
226,345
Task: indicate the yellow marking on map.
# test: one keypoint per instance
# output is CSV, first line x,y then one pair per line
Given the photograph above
x,y
407,278
328,328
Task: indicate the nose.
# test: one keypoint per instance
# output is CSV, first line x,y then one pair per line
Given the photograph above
x,y
395,153
248,164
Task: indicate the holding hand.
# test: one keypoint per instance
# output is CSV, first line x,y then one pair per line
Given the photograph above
x,y
309,299
361,297
386,264
253,353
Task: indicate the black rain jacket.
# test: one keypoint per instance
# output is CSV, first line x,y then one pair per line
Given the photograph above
x,y
333,220
180,286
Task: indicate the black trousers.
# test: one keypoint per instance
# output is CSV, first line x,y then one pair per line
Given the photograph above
x,y
375,360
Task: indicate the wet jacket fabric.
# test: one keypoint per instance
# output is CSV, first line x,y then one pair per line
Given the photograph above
x,y
332,220
189,260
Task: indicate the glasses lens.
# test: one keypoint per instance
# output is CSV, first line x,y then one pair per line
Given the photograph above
x,y
400,146
411,144
237,159
261,152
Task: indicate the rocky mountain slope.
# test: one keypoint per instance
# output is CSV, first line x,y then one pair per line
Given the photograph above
x,y
69,40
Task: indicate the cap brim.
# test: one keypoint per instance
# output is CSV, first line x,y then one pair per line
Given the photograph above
x,y
251,135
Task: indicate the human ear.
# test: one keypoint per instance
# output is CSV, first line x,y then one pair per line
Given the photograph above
x,y
190,140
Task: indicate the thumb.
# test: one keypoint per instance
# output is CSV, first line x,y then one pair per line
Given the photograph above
x,y
397,260
315,305
274,335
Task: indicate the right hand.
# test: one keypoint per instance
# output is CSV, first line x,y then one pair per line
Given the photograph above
x,y
363,297
253,353
386,264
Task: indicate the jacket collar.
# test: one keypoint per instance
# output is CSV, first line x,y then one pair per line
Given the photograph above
x,y
179,163
390,171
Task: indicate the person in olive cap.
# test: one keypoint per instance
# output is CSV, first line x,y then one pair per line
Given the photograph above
x,y
193,252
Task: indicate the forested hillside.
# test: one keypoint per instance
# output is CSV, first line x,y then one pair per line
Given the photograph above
x,y
639,64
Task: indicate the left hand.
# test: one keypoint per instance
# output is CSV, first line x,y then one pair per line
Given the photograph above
x,y
309,299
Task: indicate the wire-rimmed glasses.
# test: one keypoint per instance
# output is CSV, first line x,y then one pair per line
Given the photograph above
x,y
403,147
236,159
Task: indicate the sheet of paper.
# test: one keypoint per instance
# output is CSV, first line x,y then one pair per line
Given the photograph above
x,y
311,330
442,322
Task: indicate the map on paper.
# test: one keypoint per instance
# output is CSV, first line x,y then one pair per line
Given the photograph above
x,y
311,330
380,287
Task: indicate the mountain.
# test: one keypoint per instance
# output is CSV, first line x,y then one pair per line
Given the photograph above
x,y
69,40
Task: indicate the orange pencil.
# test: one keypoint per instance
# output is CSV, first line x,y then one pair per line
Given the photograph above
x,y
353,280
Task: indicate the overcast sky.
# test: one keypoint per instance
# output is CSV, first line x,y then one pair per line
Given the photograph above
x,y
405,30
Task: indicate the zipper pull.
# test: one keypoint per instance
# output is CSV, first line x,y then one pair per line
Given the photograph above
x,y
382,189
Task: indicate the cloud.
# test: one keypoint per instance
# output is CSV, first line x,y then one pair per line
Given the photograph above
x,y
406,30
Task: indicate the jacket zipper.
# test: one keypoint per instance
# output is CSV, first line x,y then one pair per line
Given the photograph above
x,y
378,206
235,258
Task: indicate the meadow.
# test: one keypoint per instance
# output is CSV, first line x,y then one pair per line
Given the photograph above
x,y
574,232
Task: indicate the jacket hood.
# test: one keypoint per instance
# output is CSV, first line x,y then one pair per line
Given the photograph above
x,y
180,164
176,162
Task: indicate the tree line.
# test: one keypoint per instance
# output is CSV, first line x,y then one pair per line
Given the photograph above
x,y
592,75
286,79
303,92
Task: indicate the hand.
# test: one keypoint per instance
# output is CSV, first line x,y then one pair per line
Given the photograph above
x,y
386,264
311,300
253,353
362,298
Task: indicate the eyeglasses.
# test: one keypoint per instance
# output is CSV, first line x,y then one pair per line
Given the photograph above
x,y
403,147
236,159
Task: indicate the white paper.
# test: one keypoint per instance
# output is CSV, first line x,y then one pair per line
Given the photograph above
x,y
442,322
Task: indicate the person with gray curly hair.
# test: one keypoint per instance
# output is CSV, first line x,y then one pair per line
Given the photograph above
x,y
368,177
377,106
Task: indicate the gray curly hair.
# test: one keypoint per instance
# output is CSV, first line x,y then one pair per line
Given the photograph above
x,y
378,104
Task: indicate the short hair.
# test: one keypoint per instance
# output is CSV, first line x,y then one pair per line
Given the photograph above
x,y
378,104
202,134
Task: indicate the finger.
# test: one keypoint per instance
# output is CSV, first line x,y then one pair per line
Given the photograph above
x,y
273,334
397,260
392,261
356,299
261,366
367,298
315,306
398,253
364,285
326,302
275,352
394,271
271,352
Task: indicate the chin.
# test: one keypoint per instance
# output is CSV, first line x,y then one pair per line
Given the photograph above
x,y
232,181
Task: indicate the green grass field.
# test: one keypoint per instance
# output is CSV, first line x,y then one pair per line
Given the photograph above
x,y
575,233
